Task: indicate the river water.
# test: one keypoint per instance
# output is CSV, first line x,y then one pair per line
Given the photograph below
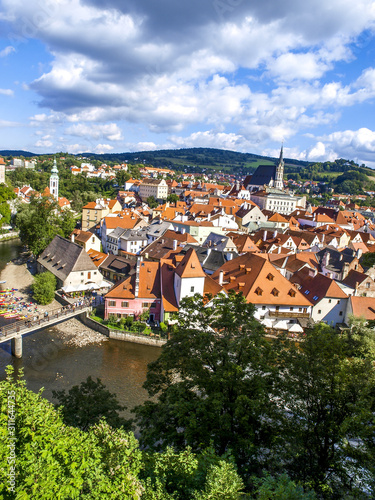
x,y
50,363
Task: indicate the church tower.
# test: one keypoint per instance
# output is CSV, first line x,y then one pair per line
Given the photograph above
x,y
279,184
54,181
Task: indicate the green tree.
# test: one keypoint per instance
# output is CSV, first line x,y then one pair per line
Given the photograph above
x,y
173,198
44,287
56,461
88,403
181,475
122,177
40,221
151,202
281,488
213,380
328,431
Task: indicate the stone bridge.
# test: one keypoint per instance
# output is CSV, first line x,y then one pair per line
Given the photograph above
x,y
16,330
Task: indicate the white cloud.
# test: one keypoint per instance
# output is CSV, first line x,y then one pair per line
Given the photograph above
x,y
258,73
290,66
6,92
44,143
103,148
8,50
109,131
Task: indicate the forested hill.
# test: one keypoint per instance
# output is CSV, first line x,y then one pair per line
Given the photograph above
x,y
218,159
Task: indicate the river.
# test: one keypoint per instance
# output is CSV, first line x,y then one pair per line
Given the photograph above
x,y
50,363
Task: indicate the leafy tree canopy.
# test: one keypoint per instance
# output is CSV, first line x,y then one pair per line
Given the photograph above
x,y
86,404
151,202
54,460
40,221
212,388
44,287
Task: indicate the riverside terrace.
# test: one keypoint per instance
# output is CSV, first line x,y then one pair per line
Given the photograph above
x,y
16,330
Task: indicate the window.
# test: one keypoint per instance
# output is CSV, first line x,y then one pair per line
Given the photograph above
x,y
319,311
338,301
112,303
146,304
291,308
340,313
368,285
191,289
329,301
264,308
82,274
124,304
153,305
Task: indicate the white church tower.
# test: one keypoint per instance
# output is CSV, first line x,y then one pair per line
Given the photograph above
x,y
54,181
279,183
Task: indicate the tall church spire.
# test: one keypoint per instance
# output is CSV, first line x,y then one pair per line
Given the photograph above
x,y
54,181
279,184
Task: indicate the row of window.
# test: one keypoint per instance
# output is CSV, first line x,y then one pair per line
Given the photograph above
x,y
145,305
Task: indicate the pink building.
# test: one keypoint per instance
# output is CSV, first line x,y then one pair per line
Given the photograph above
x,y
137,293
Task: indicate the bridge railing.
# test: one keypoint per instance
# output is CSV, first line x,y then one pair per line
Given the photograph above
x,y
42,320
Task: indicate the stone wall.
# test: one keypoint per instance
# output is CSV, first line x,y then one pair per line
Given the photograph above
x,y
136,339
120,335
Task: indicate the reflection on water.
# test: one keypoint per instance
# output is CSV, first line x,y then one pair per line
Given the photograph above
x,y
48,362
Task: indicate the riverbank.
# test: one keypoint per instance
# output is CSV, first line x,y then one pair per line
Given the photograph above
x,y
17,274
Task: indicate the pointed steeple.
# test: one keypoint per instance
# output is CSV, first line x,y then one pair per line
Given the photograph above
x,y
54,181
279,183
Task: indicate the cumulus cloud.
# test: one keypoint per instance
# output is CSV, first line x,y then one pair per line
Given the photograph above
x,y
8,50
6,92
109,131
103,148
244,73
44,143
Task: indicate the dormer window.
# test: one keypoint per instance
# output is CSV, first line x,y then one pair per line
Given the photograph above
x,y
259,291
270,276
275,292
292,292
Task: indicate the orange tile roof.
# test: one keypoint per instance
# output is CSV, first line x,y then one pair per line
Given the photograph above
x,y
363,307
276,217
190,267
259,281
123,222
97,257
149,284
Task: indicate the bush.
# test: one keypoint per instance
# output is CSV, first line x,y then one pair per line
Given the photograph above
x,y
44,287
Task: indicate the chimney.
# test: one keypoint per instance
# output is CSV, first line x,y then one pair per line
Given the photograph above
x,y
72,237
221,277
345,270
264,235
136,290
174,244
274,234
358,253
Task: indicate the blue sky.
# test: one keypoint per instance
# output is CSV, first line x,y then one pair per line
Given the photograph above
x,y
130,75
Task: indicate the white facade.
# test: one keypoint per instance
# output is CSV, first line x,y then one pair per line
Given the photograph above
x,y
156,188
82,277
187,287
330,310
281,203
